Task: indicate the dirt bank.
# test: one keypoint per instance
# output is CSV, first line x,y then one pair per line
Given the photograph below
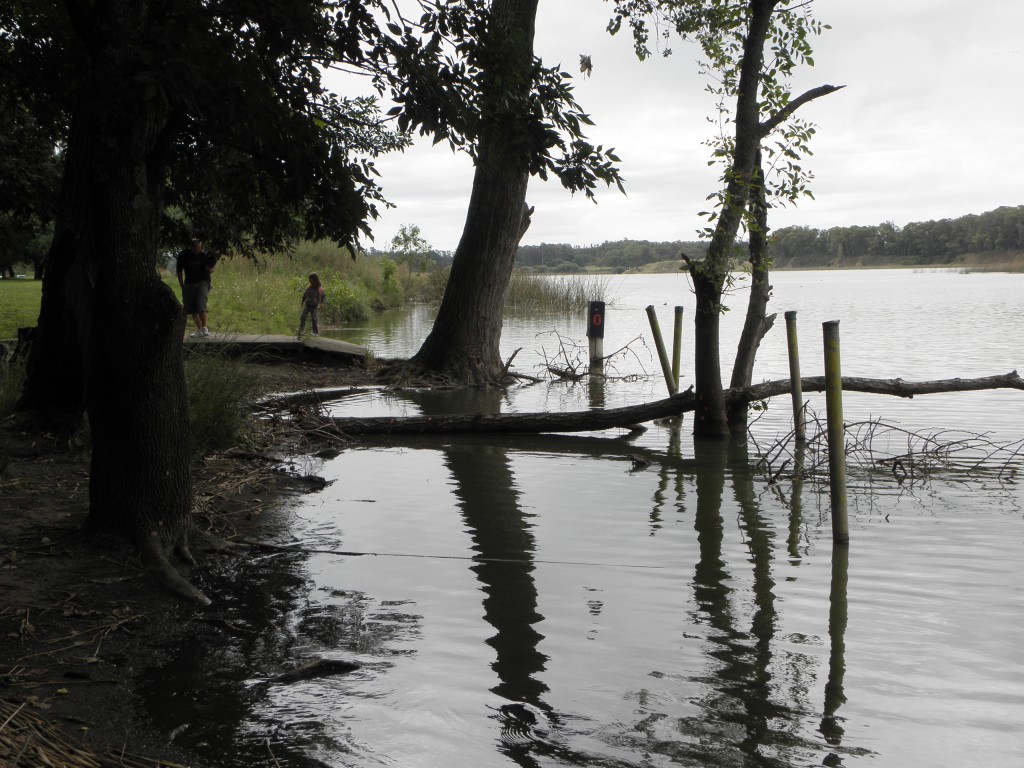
x,y
79,618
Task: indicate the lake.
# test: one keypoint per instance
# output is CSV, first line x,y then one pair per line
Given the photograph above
x,y
548,601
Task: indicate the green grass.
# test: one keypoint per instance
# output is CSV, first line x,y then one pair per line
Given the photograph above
x,y
19,305
563,293
263,297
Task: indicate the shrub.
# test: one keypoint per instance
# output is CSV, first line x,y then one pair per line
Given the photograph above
x,y
219,391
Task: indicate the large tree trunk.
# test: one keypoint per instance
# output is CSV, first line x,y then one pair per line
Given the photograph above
x,y
110,331
709,416
464,341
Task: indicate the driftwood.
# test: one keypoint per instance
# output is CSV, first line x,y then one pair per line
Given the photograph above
x,y
585,421
316,668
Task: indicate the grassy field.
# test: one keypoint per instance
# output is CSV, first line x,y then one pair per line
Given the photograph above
x,y
263,296
19,305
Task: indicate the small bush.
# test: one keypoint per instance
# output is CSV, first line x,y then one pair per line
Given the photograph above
x,y
346,302
219,391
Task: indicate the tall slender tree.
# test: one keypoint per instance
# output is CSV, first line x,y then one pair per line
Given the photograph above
x,y
732,35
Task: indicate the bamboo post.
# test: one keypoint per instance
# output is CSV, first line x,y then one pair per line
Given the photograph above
x,y
794,377
677,343
836,432
666,368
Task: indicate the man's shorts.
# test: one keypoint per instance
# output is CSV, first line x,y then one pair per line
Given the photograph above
x,y
193,296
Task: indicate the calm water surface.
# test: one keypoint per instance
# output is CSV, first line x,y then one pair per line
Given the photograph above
x,y
537,601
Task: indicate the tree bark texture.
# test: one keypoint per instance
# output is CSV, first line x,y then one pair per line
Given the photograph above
x,y
109,330
757,323
464,342
582,421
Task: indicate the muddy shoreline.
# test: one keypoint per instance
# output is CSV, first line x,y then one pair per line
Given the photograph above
x,y
83,627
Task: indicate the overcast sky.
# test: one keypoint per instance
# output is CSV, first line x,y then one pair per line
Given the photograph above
x,y
929,126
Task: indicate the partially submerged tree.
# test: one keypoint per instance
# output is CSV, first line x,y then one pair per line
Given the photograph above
x,y
525,121
733,35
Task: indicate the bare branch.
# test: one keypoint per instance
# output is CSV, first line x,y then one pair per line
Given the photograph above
x,y
783,114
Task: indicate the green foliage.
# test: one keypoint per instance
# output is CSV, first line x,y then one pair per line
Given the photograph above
x,y
1000,231
347,302
30,170
219,391
264,295
19,305
494,87
616,257
764,109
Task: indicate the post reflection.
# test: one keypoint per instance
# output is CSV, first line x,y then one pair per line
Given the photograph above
x,y
831,724
758,693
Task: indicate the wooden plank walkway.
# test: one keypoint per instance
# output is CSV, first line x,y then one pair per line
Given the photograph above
x,y
313,348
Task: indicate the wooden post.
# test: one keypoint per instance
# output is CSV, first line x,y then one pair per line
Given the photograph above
x,y
595,333
659,342
677,342
836,432
794,378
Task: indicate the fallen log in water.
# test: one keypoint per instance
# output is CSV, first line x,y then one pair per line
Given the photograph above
x,y
598,419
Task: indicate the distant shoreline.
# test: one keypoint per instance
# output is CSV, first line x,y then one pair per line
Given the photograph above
x,y
967,264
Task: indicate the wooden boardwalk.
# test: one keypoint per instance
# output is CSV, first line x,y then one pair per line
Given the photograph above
x,y
310,348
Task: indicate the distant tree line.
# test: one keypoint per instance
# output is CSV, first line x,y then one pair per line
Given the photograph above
x,y
618,257
928,242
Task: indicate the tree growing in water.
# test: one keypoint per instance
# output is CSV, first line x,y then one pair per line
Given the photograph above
x,y
519,130
733,36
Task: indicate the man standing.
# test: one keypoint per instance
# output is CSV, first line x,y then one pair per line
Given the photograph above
x,y
194,268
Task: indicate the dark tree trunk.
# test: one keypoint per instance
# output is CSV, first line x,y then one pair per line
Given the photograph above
x,y
110,331
464,341
709,276
757,323
709,415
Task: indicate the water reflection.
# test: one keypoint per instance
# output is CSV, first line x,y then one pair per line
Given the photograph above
x,y
503,540
729,649
202,692
831,724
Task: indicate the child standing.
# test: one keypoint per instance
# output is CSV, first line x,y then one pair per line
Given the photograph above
x,y
312,298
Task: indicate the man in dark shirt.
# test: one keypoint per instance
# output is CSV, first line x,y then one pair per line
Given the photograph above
x,y
194,268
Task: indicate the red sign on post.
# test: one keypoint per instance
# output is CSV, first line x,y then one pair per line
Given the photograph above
x,y
595,320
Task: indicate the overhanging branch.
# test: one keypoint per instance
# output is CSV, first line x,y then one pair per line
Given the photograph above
x,y
783,114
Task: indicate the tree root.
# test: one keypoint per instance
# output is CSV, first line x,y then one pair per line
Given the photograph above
x,y
155,560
